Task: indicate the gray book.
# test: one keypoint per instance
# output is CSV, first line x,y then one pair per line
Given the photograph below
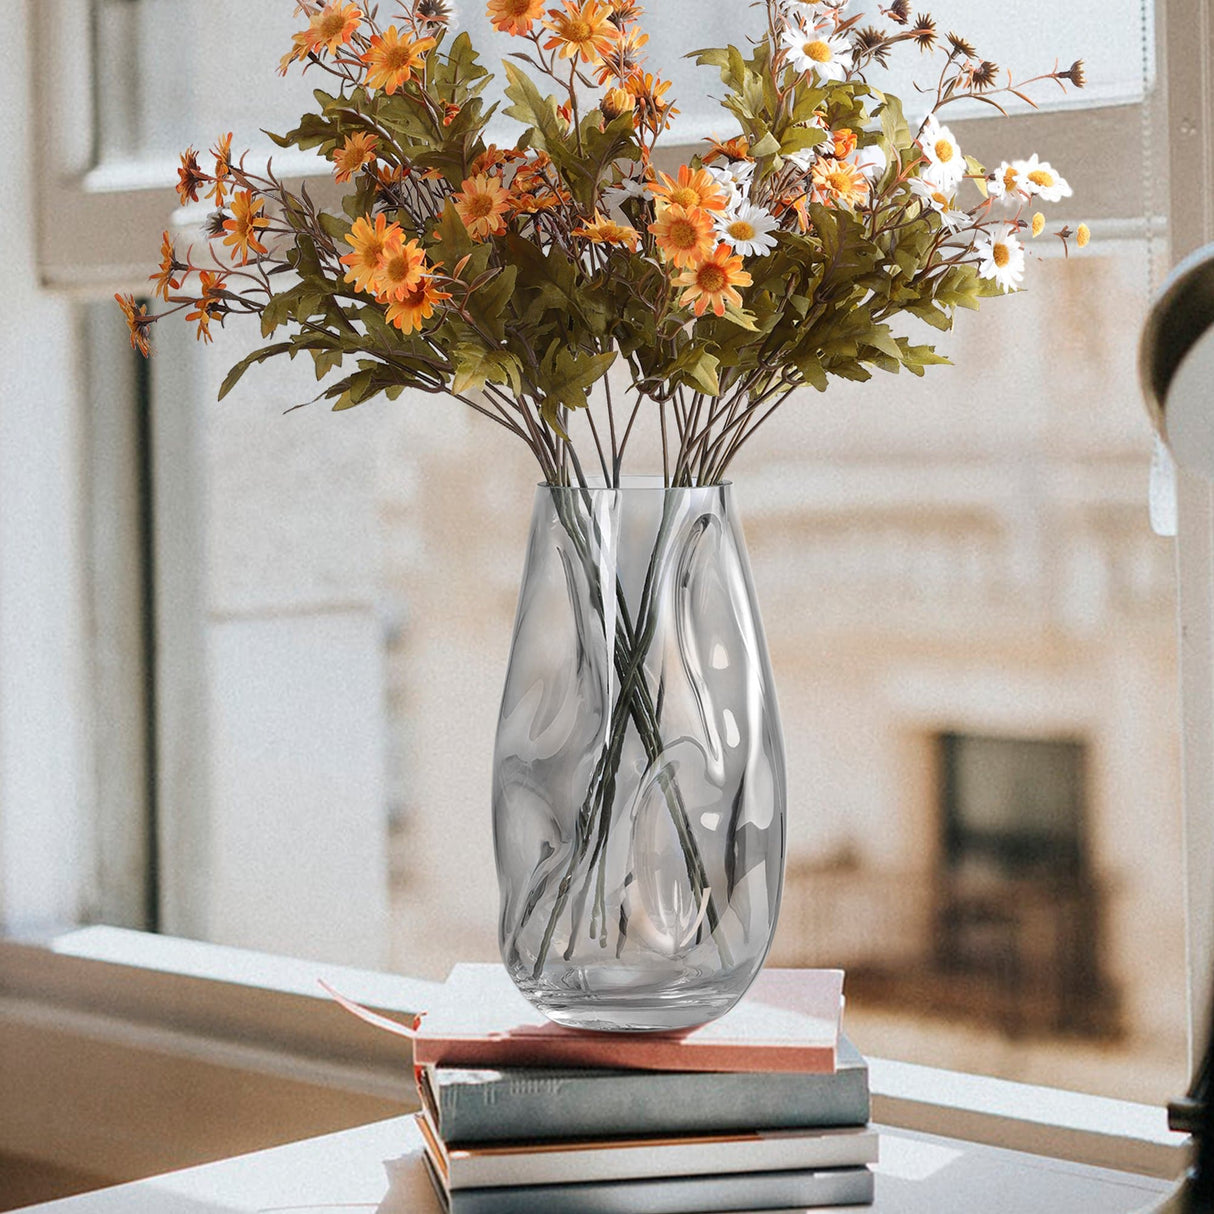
x,y
668,1195
530,1103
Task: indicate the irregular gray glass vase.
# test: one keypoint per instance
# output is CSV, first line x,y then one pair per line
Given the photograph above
x,y
639,787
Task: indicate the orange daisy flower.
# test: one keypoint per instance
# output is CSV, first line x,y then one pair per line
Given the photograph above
x,y
299,50
335,24
368,242
712,282
838,183
208,305
652,107
243,227
190,177
693,189
392,61
625,56
482,205
534,189
684,234
358,150
169,265
137,321
606,231
222,152
845,142
400,267
798,204
417,305
515,16
491,158
737,148
585,31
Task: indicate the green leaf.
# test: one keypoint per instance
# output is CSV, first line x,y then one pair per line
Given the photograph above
x,y
699,367
476,366
743,319
893,124
326,361
798,138
534,111
258,356
769,145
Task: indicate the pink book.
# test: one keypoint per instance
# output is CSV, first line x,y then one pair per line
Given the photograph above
x,y
788,1021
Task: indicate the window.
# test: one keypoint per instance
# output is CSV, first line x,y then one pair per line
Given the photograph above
x,y
967,556
1012,805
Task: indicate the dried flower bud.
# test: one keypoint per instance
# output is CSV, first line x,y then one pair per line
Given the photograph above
x,y
872,41
985,75
898,11
615,102
1074,74
924,33
434,12
961,47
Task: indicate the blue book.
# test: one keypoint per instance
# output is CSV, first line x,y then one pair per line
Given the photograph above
x,y
531,1103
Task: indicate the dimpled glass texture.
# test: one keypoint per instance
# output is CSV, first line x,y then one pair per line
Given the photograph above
x,y
638,784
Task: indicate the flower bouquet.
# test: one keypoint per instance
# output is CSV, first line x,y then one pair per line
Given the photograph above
x,y
573,287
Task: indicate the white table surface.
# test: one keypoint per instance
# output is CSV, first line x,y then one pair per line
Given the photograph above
x,y
378,1168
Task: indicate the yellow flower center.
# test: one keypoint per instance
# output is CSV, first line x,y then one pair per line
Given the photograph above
x,y
710,278
577,30
939,199
479,206
1040,177
685,196
397,57
741,230
818,51
397,269
331,26
944,151
838,181
1009,178
1001,254
682,234
1083,234
517,8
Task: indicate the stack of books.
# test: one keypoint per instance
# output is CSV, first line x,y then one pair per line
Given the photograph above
x,y
763,1109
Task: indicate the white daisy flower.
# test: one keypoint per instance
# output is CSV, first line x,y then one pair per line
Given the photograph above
x,y
811,50
1042,179
940,202
734,172
734,178
617,195
1009,180
747,230
1001,257
804,159
946,165
871,161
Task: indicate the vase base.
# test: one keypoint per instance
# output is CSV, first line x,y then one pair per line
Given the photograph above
x,y
579,1006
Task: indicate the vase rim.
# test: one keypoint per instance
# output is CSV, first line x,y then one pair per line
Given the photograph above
x,y
645,484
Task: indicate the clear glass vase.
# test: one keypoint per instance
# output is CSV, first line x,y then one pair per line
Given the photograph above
x,y
639,785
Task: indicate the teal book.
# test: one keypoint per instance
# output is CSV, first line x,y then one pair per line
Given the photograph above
x,y
532,1104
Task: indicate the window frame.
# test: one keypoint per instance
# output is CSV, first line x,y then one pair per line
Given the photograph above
x,y
85,244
